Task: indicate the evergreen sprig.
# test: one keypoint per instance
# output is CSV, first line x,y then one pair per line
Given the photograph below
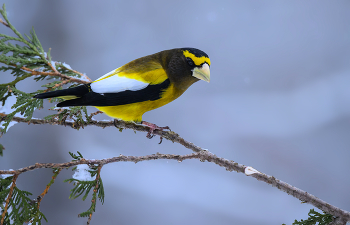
x,y
315,218
78,114
84,187
25,105
65,69
76,157
21,207
31,54
24,57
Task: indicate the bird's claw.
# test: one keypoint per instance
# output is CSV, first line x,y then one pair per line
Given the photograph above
x,y
150,134
152,128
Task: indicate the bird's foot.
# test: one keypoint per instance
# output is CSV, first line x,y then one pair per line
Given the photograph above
x,y
152,128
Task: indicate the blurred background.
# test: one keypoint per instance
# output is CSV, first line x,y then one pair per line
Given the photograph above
x,y
278,101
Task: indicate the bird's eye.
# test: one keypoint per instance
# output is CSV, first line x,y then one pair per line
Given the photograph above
x,y
190,62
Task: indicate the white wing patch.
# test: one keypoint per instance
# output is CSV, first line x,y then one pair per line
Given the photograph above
x,y
115,84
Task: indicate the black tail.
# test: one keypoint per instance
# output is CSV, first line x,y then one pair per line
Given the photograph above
x,y
78,92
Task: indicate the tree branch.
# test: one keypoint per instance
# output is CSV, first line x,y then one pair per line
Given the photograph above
x,y
55,73
169,135
200,154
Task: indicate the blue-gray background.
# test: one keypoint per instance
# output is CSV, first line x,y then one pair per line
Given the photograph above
x,y
278,101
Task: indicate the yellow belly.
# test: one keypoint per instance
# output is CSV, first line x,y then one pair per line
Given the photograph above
x,y
134,111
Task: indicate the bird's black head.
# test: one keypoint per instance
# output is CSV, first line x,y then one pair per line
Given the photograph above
x,y
185,66
199,62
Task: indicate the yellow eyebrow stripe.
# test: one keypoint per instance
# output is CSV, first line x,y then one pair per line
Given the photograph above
x,y
198,61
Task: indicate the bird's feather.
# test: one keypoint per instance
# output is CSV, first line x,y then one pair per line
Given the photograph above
x,y
113,83
69,93
149,93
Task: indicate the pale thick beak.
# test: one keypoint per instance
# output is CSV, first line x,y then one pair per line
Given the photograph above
x,y
202,72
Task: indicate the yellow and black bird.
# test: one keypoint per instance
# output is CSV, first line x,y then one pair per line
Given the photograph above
x,y
141,85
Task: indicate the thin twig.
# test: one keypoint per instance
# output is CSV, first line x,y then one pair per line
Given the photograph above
x,y
61,84
93,200
3,22
42,73
101,162
77,72
82,74
42,195
94,114
56,73
15,176
53,68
